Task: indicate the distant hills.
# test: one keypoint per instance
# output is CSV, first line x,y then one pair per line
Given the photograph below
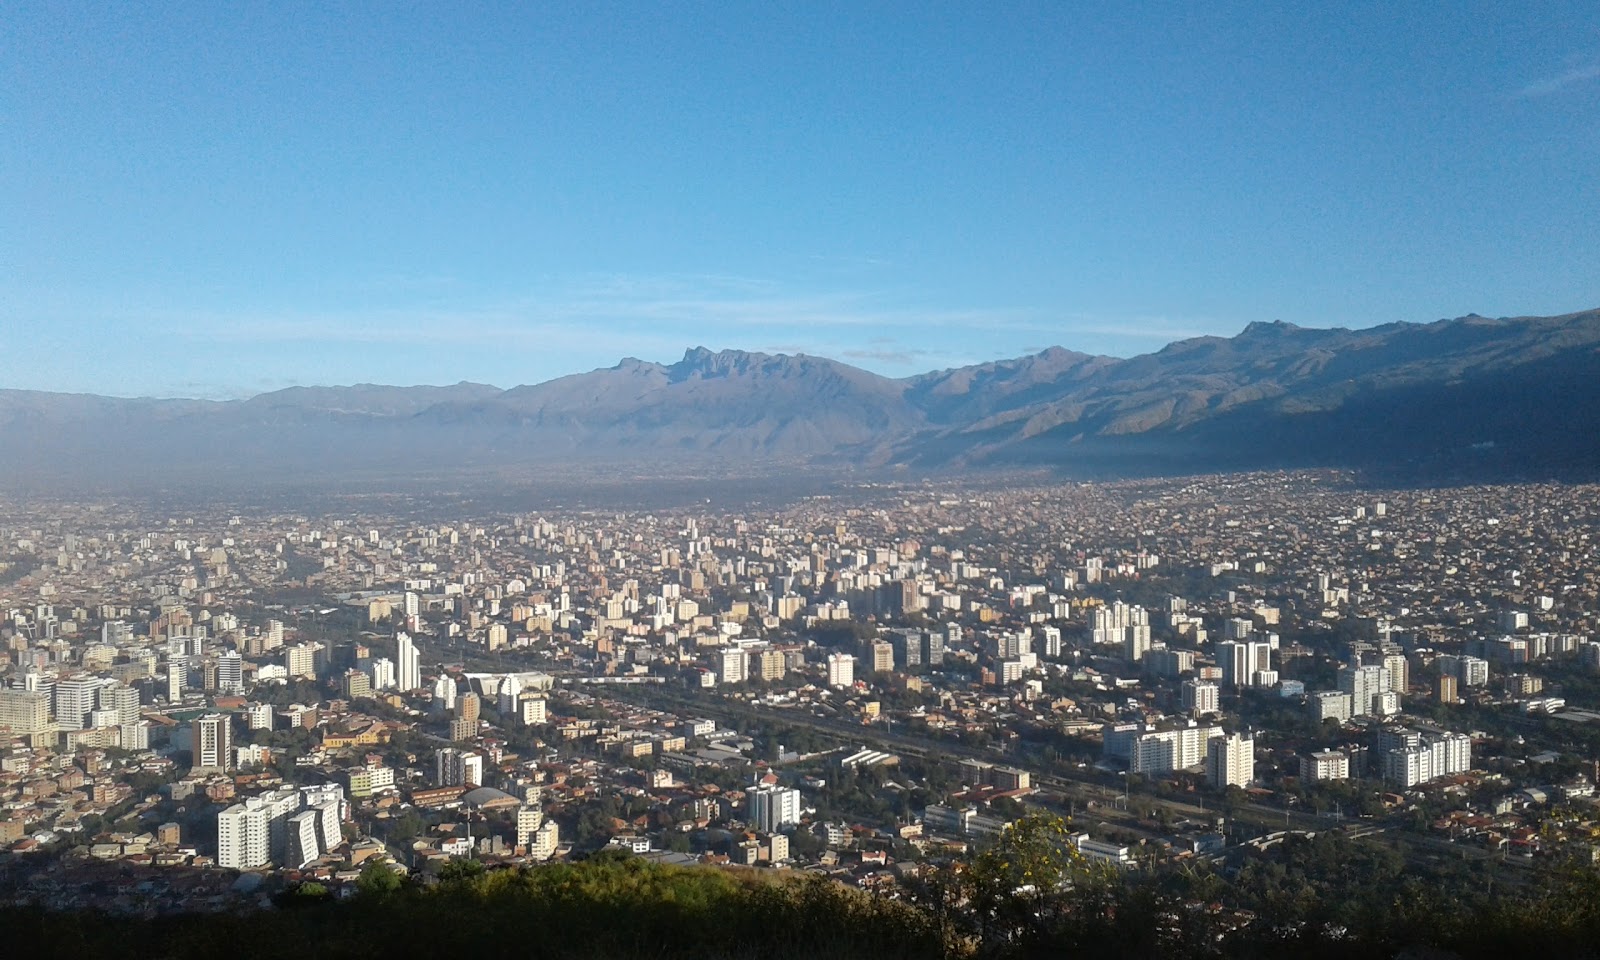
x,y
1461,398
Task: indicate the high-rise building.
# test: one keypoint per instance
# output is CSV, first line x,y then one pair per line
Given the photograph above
x,y
1413,758
731,668
254,833
545,841
284,826
770,665
1399,672
467,708
1325,765
444,694
768,807
1136,642
1163,751
1469,671
529,819
1363,684
1246,663
907,648
1447,689
841,670
1329,705
1231,761
381,673
455,767
122,699
534,710
408,669
300,661
213,742
302,838
1200,697
75,700
177,676
24,713
882,656
230,672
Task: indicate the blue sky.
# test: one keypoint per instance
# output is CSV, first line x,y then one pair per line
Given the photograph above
x,y
220,199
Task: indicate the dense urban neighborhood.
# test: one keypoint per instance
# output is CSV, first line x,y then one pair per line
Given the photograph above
x,y
201,709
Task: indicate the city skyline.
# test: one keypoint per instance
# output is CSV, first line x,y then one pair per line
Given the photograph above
x,y
220,203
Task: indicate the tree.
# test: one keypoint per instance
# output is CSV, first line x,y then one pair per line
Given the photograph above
x,y
377,880
457,870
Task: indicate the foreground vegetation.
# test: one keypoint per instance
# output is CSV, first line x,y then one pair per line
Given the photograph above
x,y
1028,896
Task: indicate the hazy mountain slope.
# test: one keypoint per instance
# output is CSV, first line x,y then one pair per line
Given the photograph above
x,y
1279,393
1455,395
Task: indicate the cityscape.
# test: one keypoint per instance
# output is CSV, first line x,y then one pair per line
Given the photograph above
x,y
205,708
628,481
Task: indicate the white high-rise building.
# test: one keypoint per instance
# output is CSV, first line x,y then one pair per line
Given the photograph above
x,y
529,819
255,832
1419,758
444,693
122,699
213,742
545,841
1231,761
302,836
381,673
301,661
1163,751
1399,672
1363,684
458,768
1325,765
841,670
1469,671
1136,642
285,826
328,801
75,700
230,672
408,672
768,807
1201,697
177,676
1329,705
731,668
1246,663
534,710
242,837
24,713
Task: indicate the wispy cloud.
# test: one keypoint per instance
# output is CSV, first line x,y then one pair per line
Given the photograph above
x,y
591,312
898,358
1556,84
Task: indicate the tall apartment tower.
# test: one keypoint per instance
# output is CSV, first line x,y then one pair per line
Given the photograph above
x,y
230,672
841,670
1231,761
770,807
213,742
408,671
1200,697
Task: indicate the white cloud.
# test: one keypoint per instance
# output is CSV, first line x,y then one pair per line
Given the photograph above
x,y
1556,84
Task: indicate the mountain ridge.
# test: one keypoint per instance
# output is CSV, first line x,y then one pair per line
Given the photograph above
x,y
1325,396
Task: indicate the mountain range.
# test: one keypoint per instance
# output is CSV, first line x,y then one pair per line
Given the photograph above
x,y
1461,398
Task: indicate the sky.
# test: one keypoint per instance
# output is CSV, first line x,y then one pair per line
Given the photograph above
x,y
216,200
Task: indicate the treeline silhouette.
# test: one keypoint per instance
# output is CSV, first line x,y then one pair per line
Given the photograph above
x,y
1028,896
